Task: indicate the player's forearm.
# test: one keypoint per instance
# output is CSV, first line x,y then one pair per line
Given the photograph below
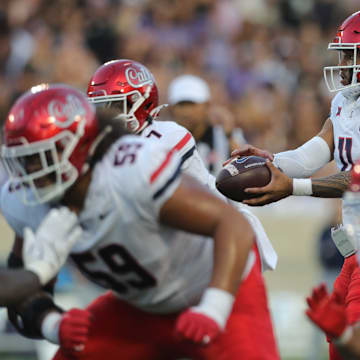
x,y
16,286
305,160
351,350
332,186
233,239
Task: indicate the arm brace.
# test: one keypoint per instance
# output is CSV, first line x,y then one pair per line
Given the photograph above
x,y
305,160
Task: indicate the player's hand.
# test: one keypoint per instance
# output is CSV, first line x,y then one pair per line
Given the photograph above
x,y
279,187
201,324
327,312
318,295
249,150
74,331
196,327
45,251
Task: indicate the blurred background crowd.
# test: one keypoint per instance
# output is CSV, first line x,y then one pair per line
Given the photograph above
x,y
263,61
259,52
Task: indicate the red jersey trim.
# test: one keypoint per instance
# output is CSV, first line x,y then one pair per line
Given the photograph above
x,y
163,165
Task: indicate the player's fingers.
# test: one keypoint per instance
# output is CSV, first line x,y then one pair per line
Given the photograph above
x,y
259,201
273,169
256,190
310,302
266,154
323,293
310,314
189,330
316,294
320,292
267,189
229,160
246,150
241,151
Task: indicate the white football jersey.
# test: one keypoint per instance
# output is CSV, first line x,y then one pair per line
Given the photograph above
x,y
177,137
345,115
124,247
3,174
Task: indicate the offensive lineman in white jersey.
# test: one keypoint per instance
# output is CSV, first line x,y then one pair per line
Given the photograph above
x,y
146,234
130,88
339,139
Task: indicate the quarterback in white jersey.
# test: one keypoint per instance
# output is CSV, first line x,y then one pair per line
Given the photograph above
x,y
162,243
339,139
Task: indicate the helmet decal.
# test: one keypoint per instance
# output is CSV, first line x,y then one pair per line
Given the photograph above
x,y
132,87
65,114
138,78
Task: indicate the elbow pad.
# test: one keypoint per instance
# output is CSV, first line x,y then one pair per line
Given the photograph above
x,y
305,160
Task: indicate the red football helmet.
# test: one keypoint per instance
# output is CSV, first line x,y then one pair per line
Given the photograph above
x,y
347,38
48,134
130,87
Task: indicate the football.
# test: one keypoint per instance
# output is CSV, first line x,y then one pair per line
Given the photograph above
x,y
242,173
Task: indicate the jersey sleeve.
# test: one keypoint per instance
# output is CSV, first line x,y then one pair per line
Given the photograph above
x,y
17,214
151,178
181,141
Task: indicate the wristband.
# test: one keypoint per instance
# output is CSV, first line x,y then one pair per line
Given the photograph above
x,y
302,187
32,312
50,327
217,304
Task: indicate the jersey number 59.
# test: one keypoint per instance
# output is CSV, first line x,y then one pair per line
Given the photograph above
x,y
120,264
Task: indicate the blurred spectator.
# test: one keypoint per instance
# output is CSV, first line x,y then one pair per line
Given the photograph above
x,y
245,49
213,127
262,59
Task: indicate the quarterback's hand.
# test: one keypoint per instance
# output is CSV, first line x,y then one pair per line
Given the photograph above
x,y
74,331
280,186
327,312
45,251
196,327
249,150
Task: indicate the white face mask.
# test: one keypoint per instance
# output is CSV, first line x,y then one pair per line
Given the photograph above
x,y
332,74
48,163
